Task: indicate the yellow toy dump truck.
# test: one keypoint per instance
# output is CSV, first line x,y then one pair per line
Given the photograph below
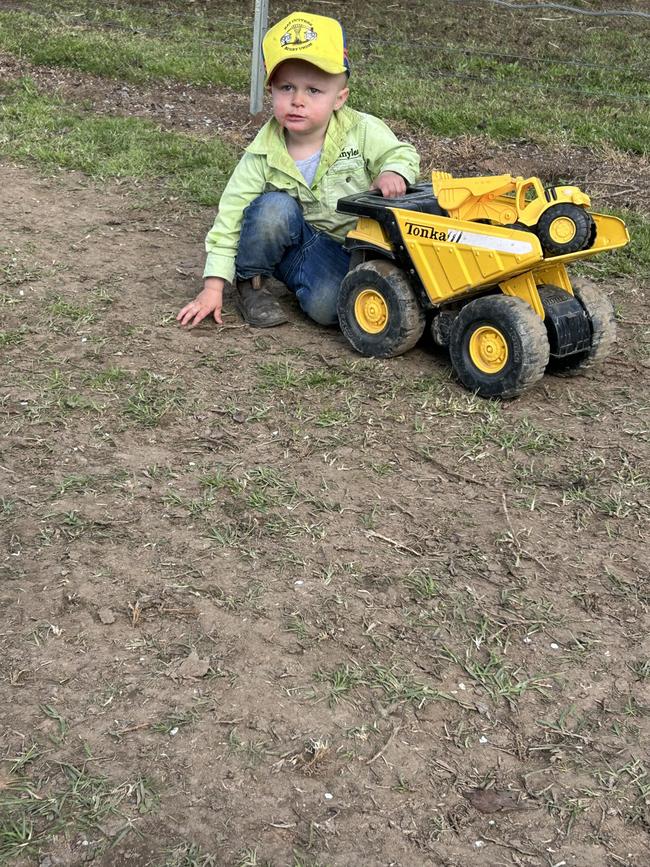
x,y
504,308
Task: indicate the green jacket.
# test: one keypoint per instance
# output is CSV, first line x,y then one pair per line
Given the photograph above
x,y
357,148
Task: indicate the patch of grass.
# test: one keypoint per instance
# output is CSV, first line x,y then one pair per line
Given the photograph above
x,y
253,751
482,79
15,272
218,479
286,375
153,397
173,51
176,720
63,726
234,534
105,380
297,626
195,507
422,585
641,669
340,681
60,309
189,855
53,134
7,506
74,483
497,676
507,435
67,798
11,338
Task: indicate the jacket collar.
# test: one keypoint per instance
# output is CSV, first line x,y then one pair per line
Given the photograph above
x,y
269,142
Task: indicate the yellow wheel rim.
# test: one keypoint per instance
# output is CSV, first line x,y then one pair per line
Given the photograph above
x,y
370,311
562,230
488,349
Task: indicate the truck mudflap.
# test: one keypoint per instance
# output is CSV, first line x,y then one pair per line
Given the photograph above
x,y
567,324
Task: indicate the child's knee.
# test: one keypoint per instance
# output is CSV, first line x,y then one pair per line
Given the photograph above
x,y
321,307
272,211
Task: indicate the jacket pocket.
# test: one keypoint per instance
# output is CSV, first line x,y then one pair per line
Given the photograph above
x,y
350,166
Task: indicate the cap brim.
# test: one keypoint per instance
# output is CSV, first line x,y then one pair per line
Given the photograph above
x,y
324,66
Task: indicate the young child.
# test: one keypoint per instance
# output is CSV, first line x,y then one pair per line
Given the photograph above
x,y
277,215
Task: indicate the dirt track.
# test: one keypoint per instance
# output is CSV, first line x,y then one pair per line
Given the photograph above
x,y
256,570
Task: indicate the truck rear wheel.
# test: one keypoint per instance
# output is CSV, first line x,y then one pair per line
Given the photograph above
x,y
600,311
498,346
378,310
565,228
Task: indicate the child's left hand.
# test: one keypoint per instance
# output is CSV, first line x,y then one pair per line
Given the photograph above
x,y
390,183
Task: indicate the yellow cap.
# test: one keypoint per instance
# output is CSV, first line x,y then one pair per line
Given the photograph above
x,y
303,36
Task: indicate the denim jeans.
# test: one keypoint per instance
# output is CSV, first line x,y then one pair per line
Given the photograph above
x,y
276,241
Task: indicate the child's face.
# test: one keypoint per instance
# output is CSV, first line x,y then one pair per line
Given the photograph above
x,y
304,97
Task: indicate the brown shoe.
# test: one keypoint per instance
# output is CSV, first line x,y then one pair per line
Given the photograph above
x,y
256,304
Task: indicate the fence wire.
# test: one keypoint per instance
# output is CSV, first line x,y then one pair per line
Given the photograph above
x,y
76,20
560,7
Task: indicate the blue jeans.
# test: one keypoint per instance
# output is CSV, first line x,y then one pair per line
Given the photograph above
x,y
276,241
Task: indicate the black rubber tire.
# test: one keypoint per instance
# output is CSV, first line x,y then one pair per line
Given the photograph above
x,y
524,334
404,321
441,326
600,311
581,219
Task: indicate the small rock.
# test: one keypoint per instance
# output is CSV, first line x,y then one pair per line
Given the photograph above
x,y
106,615
191,667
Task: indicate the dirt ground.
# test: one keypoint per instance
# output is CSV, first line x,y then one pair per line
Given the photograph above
x,y
268,602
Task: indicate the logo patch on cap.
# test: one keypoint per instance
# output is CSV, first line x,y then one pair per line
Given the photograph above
x,y
299,33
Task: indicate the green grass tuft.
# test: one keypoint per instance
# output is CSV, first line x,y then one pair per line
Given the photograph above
x,y
54,135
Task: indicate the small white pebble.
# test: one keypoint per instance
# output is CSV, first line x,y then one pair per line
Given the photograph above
x,y
555,646
461,686
479,843
299,583
482,740
174,731
84,339
527,640
328,796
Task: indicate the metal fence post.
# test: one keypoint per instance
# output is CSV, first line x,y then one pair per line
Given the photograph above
x,y
257,65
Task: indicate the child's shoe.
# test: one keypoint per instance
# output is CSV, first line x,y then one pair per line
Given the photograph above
x,y
256,304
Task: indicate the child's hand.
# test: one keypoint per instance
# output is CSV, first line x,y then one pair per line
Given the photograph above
x,y
390,183
206,302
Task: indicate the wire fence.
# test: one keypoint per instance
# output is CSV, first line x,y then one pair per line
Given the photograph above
x,y
561,7
374,48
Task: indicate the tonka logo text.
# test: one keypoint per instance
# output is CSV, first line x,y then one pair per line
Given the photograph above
x,y
432,234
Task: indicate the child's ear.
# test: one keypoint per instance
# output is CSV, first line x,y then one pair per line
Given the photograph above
x,y
341,97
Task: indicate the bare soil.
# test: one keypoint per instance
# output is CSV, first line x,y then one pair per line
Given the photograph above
x,y
266,596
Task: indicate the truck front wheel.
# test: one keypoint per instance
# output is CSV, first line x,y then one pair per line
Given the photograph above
x,y
378,310
498,346
565,228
